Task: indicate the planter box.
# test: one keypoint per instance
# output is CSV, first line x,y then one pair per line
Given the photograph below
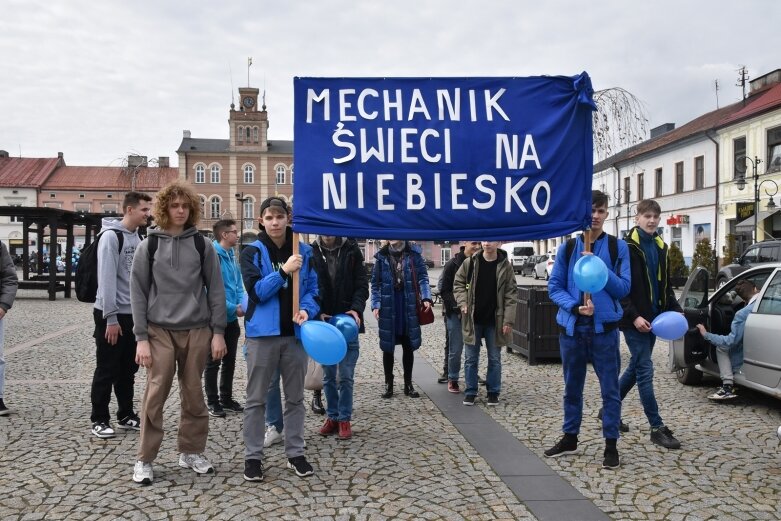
x,y
535,333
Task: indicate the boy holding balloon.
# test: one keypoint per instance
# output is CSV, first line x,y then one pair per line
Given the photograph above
x,y
271,328
650,296
587,285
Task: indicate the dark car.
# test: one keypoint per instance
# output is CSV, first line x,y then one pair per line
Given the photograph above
x,y
429,263
755,255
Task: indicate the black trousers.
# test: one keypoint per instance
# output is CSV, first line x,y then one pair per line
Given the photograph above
x,y
115,368
407,360
228,363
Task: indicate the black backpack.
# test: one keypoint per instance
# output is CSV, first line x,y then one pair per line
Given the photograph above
x,y
612,248
200,245
87,271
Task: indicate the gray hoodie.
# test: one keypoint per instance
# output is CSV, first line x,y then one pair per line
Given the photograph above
x,y
177,300
8,279
113,297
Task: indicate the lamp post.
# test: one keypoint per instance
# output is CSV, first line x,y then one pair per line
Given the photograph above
x,y
741,181
617,195
241,199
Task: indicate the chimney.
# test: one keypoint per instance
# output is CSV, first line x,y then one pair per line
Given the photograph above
x,y
136,161
59,155
764,82
662,129
162,162
4,153
186,134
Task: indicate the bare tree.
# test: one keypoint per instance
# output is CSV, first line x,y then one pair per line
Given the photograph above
x,y
619,122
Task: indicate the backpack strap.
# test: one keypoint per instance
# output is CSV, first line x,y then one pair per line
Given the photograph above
x,y
612,248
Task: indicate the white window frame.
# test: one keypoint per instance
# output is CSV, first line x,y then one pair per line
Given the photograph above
x,y
200,173
215,203
249,174
214,174
280,172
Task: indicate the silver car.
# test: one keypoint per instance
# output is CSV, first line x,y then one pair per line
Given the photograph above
x,y
692,356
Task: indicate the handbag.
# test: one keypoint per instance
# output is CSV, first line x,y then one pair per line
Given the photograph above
x,y
313,380
425,314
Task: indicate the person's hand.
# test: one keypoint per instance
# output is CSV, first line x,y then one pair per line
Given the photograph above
x,y
143,353
325,317
113,332
301,317
642,325
218,347
293,264
587,310
355,315
506,329
463,309
239,311
427,305
702,329
2,313
376,312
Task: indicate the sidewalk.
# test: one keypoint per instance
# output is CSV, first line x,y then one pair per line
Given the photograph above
x,y
426,458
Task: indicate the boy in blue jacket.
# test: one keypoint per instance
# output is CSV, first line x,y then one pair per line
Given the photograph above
x,y
226,238
589,332
271,328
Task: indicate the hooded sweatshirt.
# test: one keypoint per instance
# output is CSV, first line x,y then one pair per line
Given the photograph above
x,y
176,299
231,278
113,296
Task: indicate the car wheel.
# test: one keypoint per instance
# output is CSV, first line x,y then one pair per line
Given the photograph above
x,y
689,376
721,282
547,276
534,274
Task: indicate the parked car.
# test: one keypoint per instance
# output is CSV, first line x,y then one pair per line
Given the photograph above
x,y
429,263
527,268
692,356
755,255
543,268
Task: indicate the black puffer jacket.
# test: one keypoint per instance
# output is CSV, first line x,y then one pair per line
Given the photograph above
x,y
352,283
447,277
638,303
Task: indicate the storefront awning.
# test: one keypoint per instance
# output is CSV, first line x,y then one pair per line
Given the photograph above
x,y
748,224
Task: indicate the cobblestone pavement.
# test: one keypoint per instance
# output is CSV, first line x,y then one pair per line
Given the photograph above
x,y
406,460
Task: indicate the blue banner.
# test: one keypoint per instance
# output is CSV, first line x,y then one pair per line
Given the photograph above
x,y
443,158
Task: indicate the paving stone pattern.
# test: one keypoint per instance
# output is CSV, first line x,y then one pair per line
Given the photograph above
x,y
406,460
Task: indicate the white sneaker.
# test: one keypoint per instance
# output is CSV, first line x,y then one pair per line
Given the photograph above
x,y
273,436
196,462
142,473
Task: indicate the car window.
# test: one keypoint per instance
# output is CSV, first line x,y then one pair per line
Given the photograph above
x,y
771,300
759,279
751,256
698,291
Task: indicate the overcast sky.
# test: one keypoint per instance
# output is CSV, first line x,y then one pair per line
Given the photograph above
x,y
97,80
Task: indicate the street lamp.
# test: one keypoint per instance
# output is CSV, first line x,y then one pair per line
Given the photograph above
x,y
741,181
241,199
617,195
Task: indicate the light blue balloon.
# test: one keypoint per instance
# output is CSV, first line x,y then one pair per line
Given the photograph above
x,y
347,325
323,342
670,325
590,274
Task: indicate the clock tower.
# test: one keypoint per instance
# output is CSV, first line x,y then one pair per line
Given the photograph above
x,y
248,122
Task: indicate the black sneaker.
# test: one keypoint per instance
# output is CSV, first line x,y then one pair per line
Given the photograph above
x,y
442,378
568,444
611,459
725,392
216,410
317,403
253,470
130,423
301,466
623,427
664,437
232,406
469,400
103,430
493,399
3,409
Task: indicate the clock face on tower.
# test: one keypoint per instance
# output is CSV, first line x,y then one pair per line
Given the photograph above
x,y
248,102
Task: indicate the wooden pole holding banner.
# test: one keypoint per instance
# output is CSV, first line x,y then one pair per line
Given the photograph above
x,y
295,276
587,244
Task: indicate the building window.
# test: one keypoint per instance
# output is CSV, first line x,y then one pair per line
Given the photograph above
x,y
699,172
658,187
81,196
249,208
248,131
280,175
202,202
108,196
627,190
679,177
640,186
52,195
109,207
738,158
249,174
291,175
240,134
15,218
774,149
215,208
215,179
255,134
200,174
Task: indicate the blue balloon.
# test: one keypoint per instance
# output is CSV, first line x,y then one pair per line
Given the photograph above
x,y
670,325
347,325
323,342
244,303
590,274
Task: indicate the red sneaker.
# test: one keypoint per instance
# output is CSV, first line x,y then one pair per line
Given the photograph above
x,y
329,427
452,386
345,431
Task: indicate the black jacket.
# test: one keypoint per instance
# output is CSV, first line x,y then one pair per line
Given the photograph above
x,y
447,277
352,282
638,303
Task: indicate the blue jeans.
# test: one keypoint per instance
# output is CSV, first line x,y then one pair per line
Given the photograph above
x,y
339,391
494,377
641,371
274,404
455,346
602,350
